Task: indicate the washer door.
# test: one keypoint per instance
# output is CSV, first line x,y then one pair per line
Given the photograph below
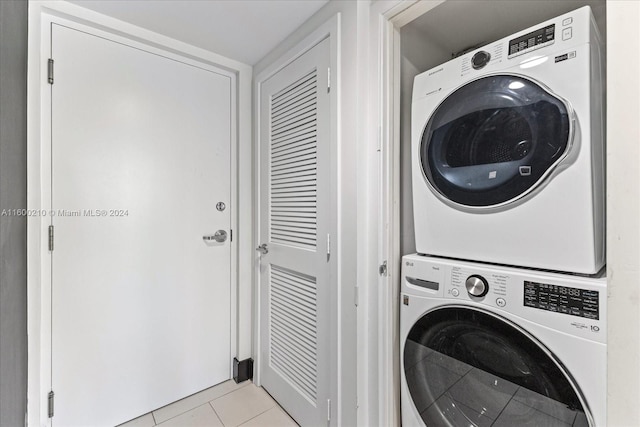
x,y
465,367
494,140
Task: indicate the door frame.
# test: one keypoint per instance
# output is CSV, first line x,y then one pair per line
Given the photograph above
x,y
41,16
382,381
329,29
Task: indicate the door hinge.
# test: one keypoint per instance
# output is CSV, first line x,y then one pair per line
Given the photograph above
x,y
328,246
231,235
356,296
328,410
50,71
328,79
383,269
50,403
51,237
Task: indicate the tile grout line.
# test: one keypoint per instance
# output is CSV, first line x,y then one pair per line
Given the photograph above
x,y
215,412
275,404
202,404
267,410
153,417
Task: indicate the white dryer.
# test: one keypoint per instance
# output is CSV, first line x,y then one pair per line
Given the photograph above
x,y
508,151
496,346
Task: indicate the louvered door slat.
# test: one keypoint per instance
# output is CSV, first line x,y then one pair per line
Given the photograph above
x,y
299,135
294,154
302,124
304,331
292,177
304,103
285,170
293,145
297,89
301,108
300,86
293,344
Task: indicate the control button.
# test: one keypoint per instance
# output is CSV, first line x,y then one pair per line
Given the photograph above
x,y
525,170
501,302
567,33
455,292
567,21
480,59
476,285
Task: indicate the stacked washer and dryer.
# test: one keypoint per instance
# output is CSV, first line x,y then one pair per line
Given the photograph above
x,y
503,309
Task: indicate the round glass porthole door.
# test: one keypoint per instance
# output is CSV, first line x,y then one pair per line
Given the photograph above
x,y
494,140
467,368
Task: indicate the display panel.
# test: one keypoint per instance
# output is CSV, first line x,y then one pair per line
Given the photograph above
x,y
562,299
534,39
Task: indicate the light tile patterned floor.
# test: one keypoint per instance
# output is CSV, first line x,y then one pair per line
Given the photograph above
x,y
226,405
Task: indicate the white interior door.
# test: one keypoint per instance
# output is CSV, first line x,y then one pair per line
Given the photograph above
x,y
296,226
140,158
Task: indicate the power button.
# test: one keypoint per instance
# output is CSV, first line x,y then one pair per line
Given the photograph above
x,y
501,302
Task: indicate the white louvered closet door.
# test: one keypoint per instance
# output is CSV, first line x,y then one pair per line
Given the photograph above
x,y
297,222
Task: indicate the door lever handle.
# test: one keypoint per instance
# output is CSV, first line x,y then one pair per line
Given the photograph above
x,y
219,236
263,249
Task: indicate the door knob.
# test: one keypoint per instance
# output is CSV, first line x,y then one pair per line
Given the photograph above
x,y
263,249
219,236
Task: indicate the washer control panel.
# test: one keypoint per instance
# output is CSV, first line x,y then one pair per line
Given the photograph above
x,y
562,299
575,305
489,288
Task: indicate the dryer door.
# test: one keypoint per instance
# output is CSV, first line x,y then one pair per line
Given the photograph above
x,y
467,367
494,140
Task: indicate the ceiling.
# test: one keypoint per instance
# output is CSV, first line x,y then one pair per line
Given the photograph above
x,y
243,30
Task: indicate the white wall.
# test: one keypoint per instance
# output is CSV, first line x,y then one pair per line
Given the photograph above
x,y
623,211
344,375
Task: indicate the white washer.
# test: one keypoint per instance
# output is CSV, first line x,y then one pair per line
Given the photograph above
x,y
508,151
529,350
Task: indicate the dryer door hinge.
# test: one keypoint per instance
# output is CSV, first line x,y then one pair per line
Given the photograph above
x,y
382,270
328,410
356,296
50,403
51,237
328,80
50,71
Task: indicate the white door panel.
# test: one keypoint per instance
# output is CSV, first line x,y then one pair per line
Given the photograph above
x,y
140,302
296,220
